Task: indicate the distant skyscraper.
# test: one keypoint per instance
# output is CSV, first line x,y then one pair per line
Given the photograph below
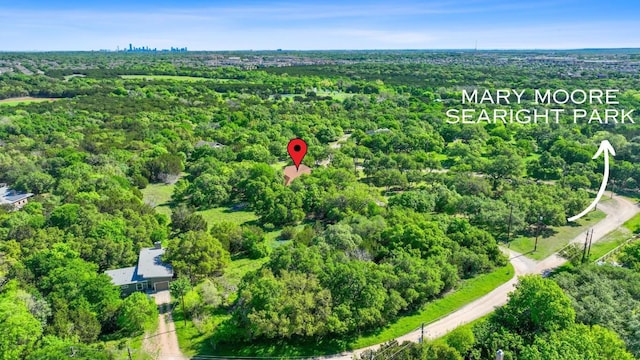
x,y
130,47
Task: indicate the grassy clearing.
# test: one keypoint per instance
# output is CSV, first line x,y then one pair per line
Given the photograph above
x,y
562,235
633,224
23,100
336,95
192,342
611,241
238,268
468,291
159,197
224,214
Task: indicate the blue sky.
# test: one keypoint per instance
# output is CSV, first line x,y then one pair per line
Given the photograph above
x,y
329,24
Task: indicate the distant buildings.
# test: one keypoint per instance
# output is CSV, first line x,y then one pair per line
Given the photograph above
x,y
13,197
132,48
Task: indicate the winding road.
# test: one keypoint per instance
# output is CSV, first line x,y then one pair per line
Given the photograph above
x,y
618,211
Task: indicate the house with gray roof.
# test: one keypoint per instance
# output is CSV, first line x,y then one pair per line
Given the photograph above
x,y
150,274
13,197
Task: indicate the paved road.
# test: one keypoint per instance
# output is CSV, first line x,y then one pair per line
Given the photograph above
x,y
163,344
618,211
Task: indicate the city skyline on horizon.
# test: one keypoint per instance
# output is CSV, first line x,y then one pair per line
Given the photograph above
x,y
333,25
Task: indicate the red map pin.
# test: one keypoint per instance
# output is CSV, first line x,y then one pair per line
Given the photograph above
x,y
297,149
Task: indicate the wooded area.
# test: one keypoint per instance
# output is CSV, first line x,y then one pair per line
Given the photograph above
x,y
395,215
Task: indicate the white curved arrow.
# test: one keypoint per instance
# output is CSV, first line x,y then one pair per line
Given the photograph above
x,y
606,148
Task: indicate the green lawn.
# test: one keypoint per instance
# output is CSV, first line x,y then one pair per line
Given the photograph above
x,y
223,214
159,196
633,224
611,241
336,95
561,237
26,100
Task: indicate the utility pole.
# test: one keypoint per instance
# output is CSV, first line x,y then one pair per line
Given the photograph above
x,y
584,251
422,336
510,220
184,314
535,247
590,241
612,187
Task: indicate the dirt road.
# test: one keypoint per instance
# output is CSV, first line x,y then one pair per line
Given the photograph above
x,y
618,211
163,344
334,145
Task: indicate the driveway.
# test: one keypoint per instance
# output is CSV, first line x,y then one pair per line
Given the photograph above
x,y
163,344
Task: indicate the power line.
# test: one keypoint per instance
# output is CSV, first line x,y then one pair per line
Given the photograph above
x,y
402,348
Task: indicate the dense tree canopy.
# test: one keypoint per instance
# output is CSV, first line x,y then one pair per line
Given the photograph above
x,y
399,208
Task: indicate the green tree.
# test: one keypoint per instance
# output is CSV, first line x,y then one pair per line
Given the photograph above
x,y
197,255
504,167
578,342
178,290
136,313
461,339
53,348
20,329
630,256
538,305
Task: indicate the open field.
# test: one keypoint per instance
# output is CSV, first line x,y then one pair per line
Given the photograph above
x,y
24,100
158,196
561,237
222,214
611,241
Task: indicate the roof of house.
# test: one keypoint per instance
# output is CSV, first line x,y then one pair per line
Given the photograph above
x,y
124,276
150,264
8,196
